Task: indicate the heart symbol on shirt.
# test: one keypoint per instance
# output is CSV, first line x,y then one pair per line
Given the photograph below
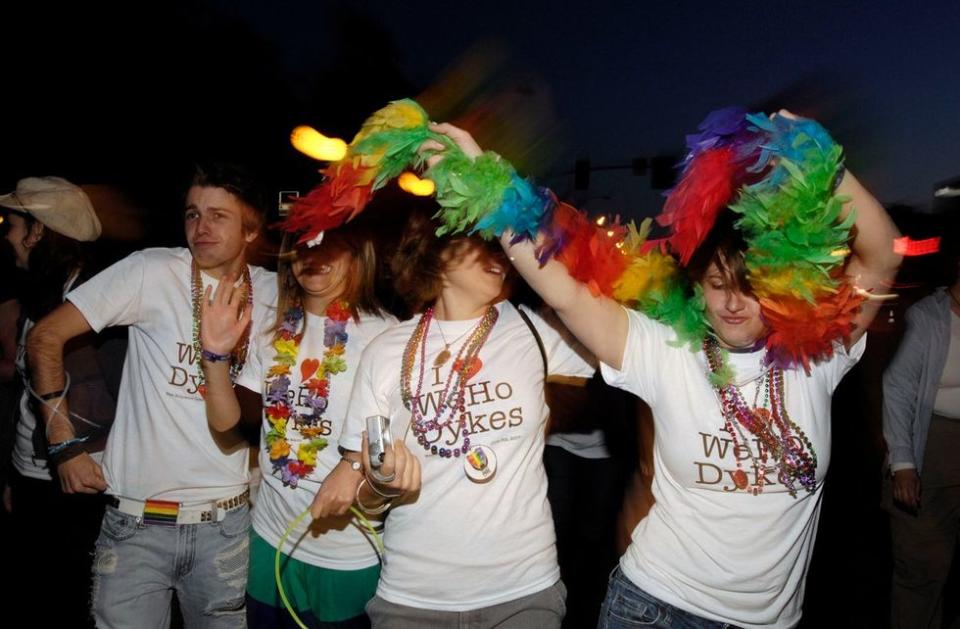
x,y
308,368
472,368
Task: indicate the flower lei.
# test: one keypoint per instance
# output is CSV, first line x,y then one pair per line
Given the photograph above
x,y
315,376
777,174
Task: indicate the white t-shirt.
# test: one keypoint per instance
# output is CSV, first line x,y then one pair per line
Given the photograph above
x,y
336,543
705,546
463,545
160,446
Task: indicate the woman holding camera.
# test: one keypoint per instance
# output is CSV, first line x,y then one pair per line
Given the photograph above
x,y
462,383
295,388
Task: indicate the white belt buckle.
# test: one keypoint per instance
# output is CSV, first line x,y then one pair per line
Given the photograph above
x,y
189,516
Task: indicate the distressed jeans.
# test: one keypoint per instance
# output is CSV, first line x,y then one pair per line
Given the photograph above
x,y
137,568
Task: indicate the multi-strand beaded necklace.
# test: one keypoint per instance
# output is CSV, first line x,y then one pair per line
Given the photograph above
x,y
315,378
450,403
239,354
779,438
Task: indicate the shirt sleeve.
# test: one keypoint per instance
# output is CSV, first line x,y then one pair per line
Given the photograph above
x,y
252,375
565,355
901,383
645,356
112,297
368,396
843,360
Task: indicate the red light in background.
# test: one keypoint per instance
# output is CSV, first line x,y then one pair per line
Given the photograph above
x,y
906,246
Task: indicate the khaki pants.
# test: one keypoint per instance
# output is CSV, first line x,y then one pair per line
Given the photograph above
x,y
543,610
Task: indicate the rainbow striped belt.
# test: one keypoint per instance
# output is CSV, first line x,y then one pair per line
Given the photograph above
x,y
166,513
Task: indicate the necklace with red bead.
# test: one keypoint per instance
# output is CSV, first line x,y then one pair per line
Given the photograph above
x,y
450,403
778,438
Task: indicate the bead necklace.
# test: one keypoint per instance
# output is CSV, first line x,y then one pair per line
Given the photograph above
x,y
779,438
315,377
450,401
239,354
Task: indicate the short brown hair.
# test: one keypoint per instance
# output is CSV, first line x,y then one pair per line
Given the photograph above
x,y
241,183
725,247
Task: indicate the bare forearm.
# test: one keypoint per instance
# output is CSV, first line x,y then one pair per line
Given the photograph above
x,y
45,359
875,231
223,409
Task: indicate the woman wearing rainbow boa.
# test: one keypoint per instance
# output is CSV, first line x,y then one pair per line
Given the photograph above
x,y
736,328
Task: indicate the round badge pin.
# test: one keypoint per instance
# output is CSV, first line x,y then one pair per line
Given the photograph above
x,y
480,464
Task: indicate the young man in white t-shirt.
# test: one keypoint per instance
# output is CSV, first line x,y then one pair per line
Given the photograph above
x,y
178,518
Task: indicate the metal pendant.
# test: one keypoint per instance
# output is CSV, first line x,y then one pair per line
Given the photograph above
x,y
442,358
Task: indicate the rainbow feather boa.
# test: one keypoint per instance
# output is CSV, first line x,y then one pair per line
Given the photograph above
x,y
777,174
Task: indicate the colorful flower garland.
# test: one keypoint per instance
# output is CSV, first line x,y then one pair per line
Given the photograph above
x,y
778,174
315,376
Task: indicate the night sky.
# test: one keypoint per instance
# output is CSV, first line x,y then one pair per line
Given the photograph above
x,y
131,93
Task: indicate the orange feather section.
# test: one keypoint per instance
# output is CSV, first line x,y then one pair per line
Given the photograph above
x,y
801,331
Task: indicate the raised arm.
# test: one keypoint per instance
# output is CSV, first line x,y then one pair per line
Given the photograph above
x,y
223,320
873,263
598,322
45,343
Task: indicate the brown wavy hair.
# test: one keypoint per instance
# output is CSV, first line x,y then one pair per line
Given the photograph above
x,y
421,257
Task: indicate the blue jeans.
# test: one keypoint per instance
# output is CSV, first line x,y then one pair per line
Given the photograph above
x,y
627,606
137,568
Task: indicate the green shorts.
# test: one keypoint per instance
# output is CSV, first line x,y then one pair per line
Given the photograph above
x,y
327,595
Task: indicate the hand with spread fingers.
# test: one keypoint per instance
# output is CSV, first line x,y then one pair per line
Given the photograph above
x,y
223,316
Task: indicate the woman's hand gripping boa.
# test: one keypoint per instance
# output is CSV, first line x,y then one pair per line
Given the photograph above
x,y
778,174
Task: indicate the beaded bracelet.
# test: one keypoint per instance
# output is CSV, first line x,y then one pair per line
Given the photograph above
x,y
60,453
371,510
213,357
56,448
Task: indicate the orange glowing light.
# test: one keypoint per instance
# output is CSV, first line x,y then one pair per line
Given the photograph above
x,y
314,144
906,246
414,185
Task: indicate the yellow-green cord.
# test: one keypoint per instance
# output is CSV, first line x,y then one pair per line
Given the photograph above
x,y
276,563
